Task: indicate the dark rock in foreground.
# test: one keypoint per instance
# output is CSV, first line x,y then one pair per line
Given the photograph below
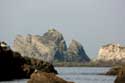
x,y
47,47
11,63
14,66
121,76
119,72
42,77
111,55
40,65
114,70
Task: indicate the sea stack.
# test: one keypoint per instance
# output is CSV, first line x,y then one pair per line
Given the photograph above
x,y
113,53
76,52
50,47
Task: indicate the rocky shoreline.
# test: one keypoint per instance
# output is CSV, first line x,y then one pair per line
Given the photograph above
x,y
14,66
33,57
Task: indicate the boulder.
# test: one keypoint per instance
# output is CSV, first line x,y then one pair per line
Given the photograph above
x,y
40,65
14,66
114,70
119,71
10,63
121,76
43,77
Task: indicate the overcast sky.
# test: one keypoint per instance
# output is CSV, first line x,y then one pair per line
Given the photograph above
x,y
92,22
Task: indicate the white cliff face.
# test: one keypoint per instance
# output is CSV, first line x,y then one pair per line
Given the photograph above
x,y
31,46
111,52
40,47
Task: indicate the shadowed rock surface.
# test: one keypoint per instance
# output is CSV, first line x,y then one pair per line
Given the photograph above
x,y
114,70
14,66
121,76
119,71
76,52
42,77
50,47
39,65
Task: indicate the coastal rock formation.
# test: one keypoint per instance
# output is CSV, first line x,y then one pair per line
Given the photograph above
x,y
76,52
114,70
50,47
14,66
42,77
55,37
47,47
119,71
121,76
11,63
112,53
35,64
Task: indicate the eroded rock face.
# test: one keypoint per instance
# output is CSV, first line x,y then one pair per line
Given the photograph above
x,y
76,52
42,77
35,64
50,47
11,64
112,52
47,47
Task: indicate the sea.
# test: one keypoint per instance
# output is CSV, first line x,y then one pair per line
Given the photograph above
x,y
79,75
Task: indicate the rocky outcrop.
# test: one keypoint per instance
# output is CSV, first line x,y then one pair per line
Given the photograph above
x,y
112,53
121,76
119,71
50,47
47,47
54,36
42,77
114,70
11,63
76,52
35,64
14,66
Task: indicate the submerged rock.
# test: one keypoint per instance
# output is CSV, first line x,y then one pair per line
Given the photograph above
x,y
42,77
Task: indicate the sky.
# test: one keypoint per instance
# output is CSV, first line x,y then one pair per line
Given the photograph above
x,y
91,22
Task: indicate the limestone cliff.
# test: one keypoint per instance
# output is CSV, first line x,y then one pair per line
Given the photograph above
x,y
112,52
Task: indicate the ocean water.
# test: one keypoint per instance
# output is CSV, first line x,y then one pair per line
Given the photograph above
x,y
79,75
85,74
